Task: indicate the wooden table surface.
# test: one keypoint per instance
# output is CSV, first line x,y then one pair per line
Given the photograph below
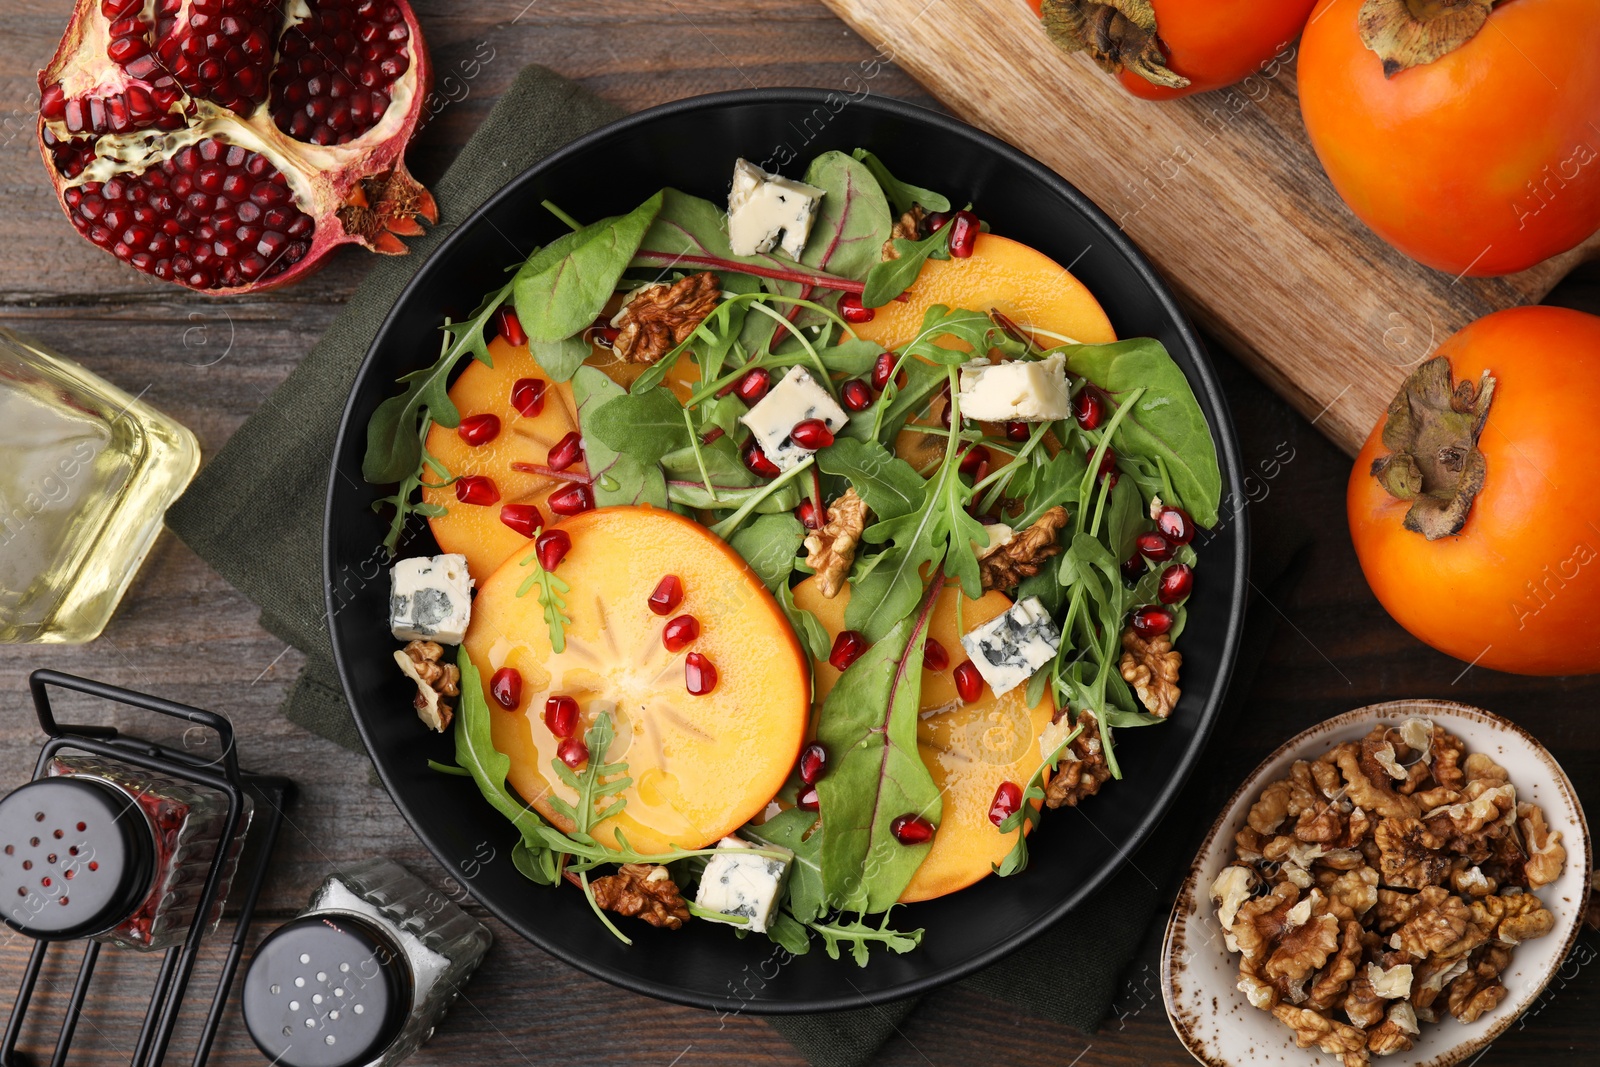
x,y
184,633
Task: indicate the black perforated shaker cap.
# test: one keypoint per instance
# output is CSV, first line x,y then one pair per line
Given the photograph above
x,y
77,856
326,990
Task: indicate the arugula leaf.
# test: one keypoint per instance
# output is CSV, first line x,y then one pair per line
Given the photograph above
x,y
565,284
1166,424
1027,813
404,499
813,635
890,278
693,493
769,545
889,485
798,831
901,194
645,425
551,598
894,406
869,721
1056,481
973,329
860,936
852,220
789,933
619,478
560,359
1125,518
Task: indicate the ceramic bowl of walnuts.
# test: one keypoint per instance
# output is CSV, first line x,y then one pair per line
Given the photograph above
x,y
1401,880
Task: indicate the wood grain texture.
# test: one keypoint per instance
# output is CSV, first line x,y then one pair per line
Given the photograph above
x,y
1222,191
184,633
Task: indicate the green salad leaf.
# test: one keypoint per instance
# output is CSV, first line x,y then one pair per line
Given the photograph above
x,y
619,478
890,486
552,597
890,278
861,935
798,831
565,285
769,545
901,194
852,221
560,359
644,425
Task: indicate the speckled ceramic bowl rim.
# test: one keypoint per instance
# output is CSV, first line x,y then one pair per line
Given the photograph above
x,y
1189,897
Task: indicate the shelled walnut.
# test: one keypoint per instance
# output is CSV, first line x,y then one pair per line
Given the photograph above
x,y
1382,884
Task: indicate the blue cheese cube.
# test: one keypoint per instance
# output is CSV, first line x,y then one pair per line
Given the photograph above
x,y
738,883
430,599
1008,649
762,205
1017,390
796,398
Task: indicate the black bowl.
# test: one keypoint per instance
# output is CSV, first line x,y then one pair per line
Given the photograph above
x,y
692,145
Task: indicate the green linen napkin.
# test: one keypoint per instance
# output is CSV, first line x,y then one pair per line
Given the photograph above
x,y
269,546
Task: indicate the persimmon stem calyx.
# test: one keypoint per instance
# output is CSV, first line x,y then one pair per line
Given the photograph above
x,y
1118,35
1432,436
1408,33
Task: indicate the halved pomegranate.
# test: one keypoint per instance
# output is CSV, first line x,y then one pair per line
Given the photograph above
x,y
230,145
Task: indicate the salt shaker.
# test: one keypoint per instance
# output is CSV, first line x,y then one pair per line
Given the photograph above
x,y
103,849
362,976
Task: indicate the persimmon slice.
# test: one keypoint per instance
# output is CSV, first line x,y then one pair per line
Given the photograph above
x,y
475,530
970,749
702,766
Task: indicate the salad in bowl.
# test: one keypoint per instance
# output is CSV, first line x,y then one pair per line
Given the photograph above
x,y
796,554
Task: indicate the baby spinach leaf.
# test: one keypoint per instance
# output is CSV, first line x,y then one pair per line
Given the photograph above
x,y
886,482
792,829
565,284
890,278
721,459
1125,518
560,359
645,425
813,636
852,221
869,723
901,194
619,478
1166,423
769,545
852,357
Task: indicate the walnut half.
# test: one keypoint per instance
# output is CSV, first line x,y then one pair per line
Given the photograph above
x,y
831,550
660,317
645,891
1151,668
1023,555
421,662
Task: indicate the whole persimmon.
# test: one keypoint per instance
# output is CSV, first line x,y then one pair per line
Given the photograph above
x,y
1465,134
1164,49
1475,504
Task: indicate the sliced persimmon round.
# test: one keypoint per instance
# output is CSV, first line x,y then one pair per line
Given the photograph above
x,y
702,766
970,749
515,459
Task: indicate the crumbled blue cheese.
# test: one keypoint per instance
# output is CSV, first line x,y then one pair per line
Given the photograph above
x,y
1016,390
1009,648
796,398
430,599
762,205
743,885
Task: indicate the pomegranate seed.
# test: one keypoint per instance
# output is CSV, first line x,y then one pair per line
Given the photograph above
x,y
909,829
552,546
565,452
1108,468
754,385
478,430
510,326
852,310
506,687
572,752
476,489
881,368
855,393
1175,583
757,461
607,335
936,221
1017,431
527,395
1089,408
811,516
561,715
1152,545
813,762
680,633
1176,524
811,434
1007,799
699,674
571,499
969,683
934,656
964,230
847,648
808,799
1151,621
1133,568
667,596
523,518
975,461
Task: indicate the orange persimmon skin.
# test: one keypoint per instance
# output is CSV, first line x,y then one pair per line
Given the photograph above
x,y
968,748
1216,43
1483,162
702,766
1515,590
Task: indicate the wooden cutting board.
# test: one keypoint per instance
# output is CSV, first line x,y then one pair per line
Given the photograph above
x,y
1224,194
